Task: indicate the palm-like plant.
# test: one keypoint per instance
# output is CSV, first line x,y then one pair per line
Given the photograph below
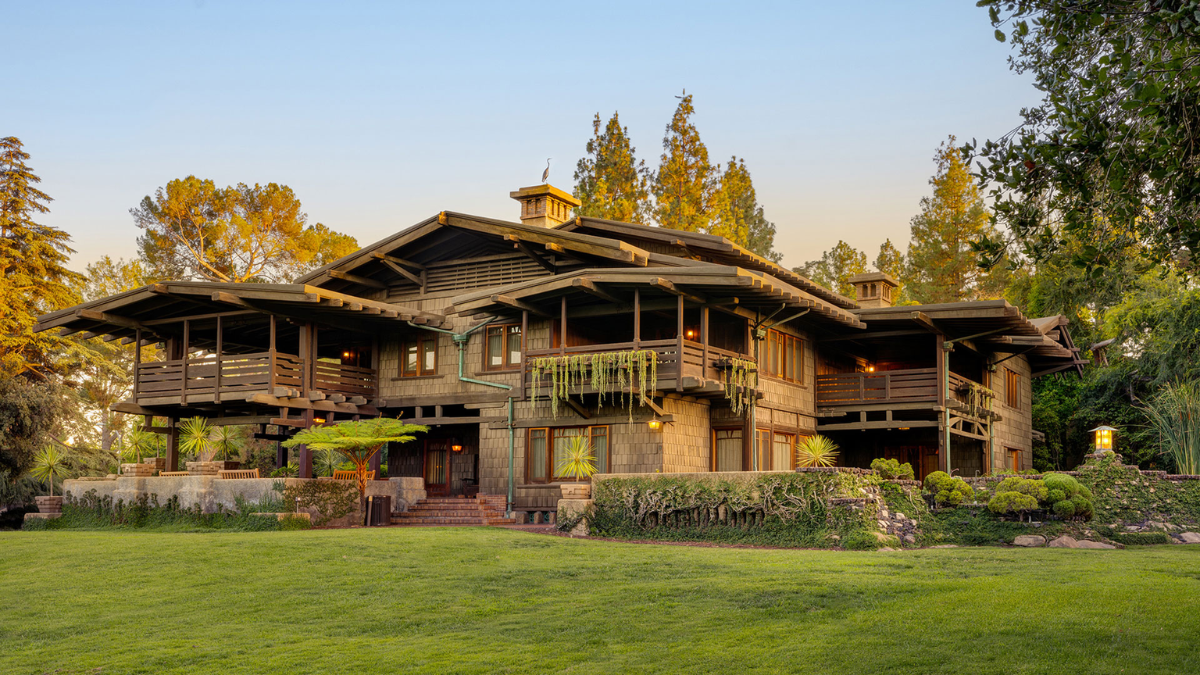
x,y
328,461
227,440
358,441
577,461
816,451
139,442
48,465
195,437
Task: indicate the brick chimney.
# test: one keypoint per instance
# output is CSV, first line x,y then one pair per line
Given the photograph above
x,y
874,289
544,205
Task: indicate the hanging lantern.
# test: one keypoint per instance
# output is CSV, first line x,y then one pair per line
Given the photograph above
x,y
456,445
1104,438
655,424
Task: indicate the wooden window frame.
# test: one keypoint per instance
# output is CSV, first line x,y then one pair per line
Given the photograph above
x,y
712,463
1012,389
1011,453
791,452
784,359
591,430
505,348
422,343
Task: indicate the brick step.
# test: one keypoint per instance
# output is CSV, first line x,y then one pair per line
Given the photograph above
x,y
454,521
448,514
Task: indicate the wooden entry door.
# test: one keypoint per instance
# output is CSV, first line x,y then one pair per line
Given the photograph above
x,y
437,467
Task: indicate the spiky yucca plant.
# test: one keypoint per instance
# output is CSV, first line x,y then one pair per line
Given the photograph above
x,y
48,465
577,462
816,451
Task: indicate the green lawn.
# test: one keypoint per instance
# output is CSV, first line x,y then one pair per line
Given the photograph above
x,y
498,601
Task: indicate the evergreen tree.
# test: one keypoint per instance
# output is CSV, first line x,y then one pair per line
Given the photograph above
x,y
610,182
684,183
737,215
890,261
835,267
33,258
942,266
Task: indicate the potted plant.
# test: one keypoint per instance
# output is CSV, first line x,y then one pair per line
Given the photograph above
x,y
579,464
198,437
47,466
816,451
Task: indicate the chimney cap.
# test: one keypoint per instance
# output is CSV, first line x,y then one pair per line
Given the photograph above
x,y
544,190
873,276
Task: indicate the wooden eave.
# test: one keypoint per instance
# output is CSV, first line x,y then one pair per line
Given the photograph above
x,y
718,284
720,249
151,308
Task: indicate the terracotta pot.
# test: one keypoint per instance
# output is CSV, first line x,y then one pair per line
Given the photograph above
x,y
576,490
49,504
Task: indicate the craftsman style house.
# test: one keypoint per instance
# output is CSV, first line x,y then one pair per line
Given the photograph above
x,y
494,333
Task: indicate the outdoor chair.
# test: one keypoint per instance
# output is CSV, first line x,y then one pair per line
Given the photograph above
x,y
239,473
351,475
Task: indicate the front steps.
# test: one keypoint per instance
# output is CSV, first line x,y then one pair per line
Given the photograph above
x,y
481,510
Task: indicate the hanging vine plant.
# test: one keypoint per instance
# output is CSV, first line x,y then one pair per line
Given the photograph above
x,y
620,377
740,378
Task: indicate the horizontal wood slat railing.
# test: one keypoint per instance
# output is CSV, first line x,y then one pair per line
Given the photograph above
x,y
243,374
918,384
667,355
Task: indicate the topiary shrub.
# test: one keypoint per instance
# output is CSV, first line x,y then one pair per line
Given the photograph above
x,y
947,491
1012,502
1064,508
1027,486
1062,490
892,469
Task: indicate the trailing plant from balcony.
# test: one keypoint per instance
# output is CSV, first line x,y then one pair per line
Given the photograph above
x,y
740,378
979,398
622,377
816,451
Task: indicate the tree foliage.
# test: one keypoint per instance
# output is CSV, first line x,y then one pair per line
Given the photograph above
x,y
193,229
685,181
358,441
737,215
942,265
835,267
35,278
28,413
1111,155
610,182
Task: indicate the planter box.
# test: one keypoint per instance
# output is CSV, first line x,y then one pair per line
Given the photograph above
x,y
137,470
576,490
49,504
159,463
205,468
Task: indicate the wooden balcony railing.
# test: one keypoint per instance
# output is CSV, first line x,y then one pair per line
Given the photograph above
x,y
234,376
672,363
919,384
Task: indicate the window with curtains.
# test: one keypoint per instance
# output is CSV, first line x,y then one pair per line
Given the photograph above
x,y
502,347
781,452
727,450
545,449
418,356
784,357
1012,389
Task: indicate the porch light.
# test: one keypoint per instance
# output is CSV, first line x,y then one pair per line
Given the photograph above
x,y
345,355
870,369
456,446
654,424
690,334
318,420
1104,438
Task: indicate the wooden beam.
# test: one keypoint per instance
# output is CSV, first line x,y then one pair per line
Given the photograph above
x,y
357,279
669,287
398,261
403,272
883,424
588,286
105,317
229,299
578,408
528,251
508,301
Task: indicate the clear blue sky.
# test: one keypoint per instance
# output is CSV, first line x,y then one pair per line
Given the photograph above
x,y
381,114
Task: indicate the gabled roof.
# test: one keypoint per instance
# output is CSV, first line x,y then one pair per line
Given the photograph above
x,y
718,248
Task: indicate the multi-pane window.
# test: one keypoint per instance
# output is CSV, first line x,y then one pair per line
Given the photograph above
x,y
546,449
784,357
781,452
418,356
1012,388
503,347
727,450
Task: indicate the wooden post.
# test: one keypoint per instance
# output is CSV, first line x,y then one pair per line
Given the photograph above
x,y
303,349
186,337
524,363
305,455
137,362
376,460
562,343
312,361
375,364
943,416
172,445
217,385
637,319
704,341
679,343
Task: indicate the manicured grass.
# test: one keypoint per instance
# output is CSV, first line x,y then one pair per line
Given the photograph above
x,y
499,601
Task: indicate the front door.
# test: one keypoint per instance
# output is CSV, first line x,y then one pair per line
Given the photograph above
x,y
437,466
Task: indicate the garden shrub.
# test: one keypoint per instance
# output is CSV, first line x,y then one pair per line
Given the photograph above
x,y
1064,508
1141,538
892,469
864,540
1026,486
1012,502
1068,497
91,511
330,498
947,491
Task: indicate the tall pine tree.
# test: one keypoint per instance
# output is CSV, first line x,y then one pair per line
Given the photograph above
x,y
609,181
737,215
684,183
942,266
33,258
890,261
835,267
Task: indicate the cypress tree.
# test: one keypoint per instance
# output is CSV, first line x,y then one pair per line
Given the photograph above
x,y
610,181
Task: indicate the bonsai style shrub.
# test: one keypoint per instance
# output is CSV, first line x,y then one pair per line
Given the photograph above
x,y
1067,497
816,451
1027,486
947,490
48,465
890,468
578,462
1012,502
358,441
